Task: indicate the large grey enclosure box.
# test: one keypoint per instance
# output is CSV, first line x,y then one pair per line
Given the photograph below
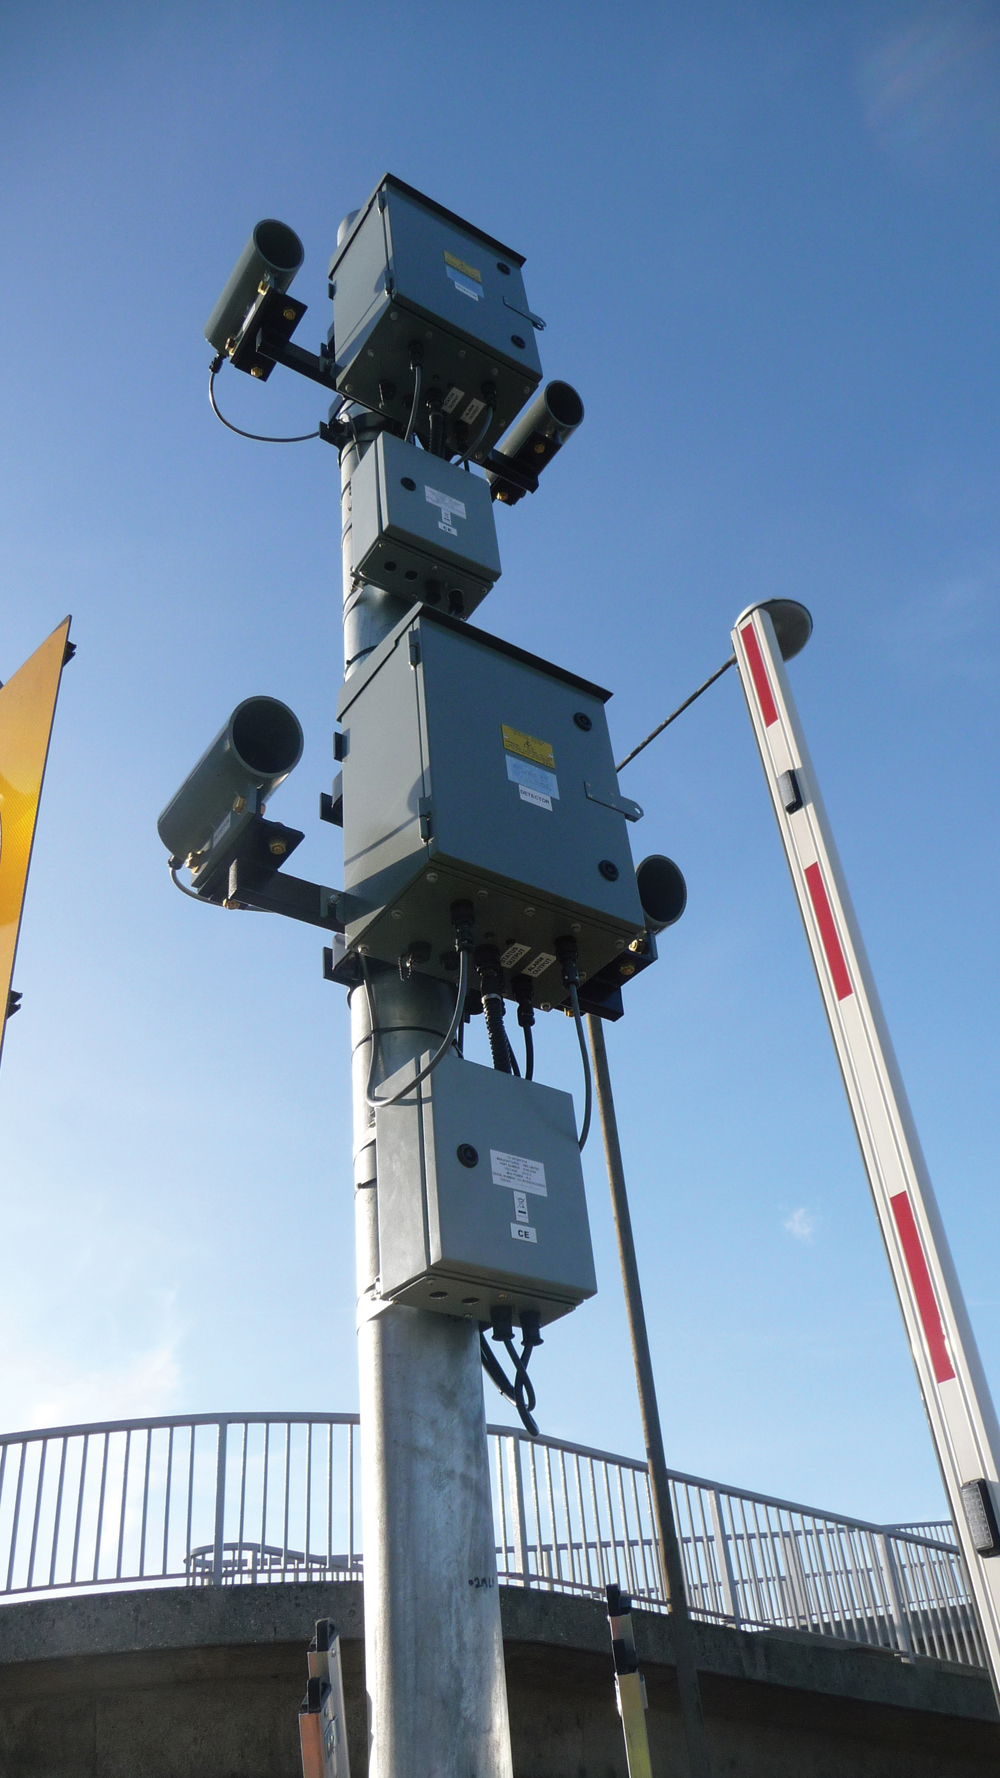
x,y
475,771
409,270
480,1195
422,527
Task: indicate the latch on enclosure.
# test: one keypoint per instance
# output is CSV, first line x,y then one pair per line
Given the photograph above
x,y
621,804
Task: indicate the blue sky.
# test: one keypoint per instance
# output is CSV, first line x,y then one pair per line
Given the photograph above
x,y
764,240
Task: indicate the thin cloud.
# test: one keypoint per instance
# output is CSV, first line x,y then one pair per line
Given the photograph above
x,y
936,82
802,1224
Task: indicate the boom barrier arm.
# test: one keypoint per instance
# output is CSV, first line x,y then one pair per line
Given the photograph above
x,y
955,1393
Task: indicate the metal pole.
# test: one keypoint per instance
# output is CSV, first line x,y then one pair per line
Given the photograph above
x,y
666,1530
437,1698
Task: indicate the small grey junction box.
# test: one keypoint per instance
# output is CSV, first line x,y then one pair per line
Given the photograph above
x,y
474,771
480,1195
422,527
411,271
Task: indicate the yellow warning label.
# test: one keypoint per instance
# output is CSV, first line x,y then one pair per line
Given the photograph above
x,y
459,265
526,747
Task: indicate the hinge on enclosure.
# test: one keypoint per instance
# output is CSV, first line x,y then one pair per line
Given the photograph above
x,y
414,640
331,805
382,199
426,820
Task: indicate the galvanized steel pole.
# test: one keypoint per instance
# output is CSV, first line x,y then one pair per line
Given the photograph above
x,y
437,1696
666,1530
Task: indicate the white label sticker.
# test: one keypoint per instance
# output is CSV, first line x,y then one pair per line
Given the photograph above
x,y
473,411
452,399
450,508
541,963
521,1206
522,1231
521,771
465,285
534,797
222,829
518,1171
512,955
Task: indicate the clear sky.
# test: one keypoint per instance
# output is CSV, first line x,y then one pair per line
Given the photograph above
x,y
764,239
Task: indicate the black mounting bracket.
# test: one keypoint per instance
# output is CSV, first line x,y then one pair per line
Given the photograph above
x,y
266,340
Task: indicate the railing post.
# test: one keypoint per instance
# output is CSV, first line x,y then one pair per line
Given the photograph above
x,y
220,1505
517,1503
796,1577
896,1611
723,1558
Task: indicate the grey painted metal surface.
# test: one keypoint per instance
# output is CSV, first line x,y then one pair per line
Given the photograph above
x,y
464,762
248,1500
423,527
433,1647
410,271
495,1211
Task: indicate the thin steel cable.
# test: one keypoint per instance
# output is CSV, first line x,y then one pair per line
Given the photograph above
x,y
449,1038
258,437
474,443
412,421
622,763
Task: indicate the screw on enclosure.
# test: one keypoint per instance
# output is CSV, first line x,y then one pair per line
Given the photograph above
x,y
583,721
407,481
608,870
468,1155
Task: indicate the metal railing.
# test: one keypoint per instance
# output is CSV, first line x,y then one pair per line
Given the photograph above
x,y
244,1499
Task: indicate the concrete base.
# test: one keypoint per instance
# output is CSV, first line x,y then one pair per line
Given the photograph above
x,y
206,1683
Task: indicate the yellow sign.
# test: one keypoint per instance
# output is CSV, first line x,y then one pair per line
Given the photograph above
x,y
27,707
460,265
526,747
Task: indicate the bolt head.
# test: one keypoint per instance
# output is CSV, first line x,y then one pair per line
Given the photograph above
x,y
277,848
289,314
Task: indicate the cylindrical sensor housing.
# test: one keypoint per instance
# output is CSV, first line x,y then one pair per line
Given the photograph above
x,y
542,429
274,252
662,891
260,744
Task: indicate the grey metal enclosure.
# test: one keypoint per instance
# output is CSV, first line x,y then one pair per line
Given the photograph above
x,y
473,770
409,270
480,1195
421,526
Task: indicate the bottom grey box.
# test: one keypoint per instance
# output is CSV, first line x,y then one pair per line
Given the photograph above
x,y
480,1194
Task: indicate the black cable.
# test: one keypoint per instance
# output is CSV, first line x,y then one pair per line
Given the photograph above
x,y
258,437
514,1069
512,1392
574,1000
494,1370
175,879
529,1054
411,423
524,1392
622,763
499,1046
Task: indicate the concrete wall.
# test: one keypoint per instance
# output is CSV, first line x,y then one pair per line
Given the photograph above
x,y
205,1683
